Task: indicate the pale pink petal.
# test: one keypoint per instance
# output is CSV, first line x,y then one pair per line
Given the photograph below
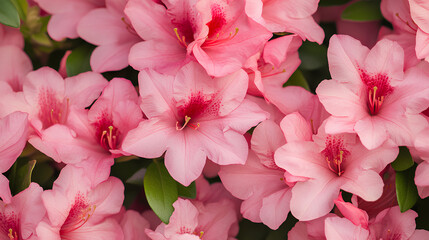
x,y
14,133
185,158
275,51
342,229
46,231
285,99
419,11
248,114
59,205
267,137
84,88
386,57
157,94
150,20
149,139
108,196
296,128
112,57
346,55
420,234
302,159
306,28
337,125
275,208
332,92
314,198
14,65
366,184
217,218
422,41
372,132
134,226
421,178
5,193
108,229
163,56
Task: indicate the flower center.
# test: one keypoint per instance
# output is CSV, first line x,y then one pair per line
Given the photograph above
x,y
378,88
335,153
79,214
52,111
9,226
196,106
107,134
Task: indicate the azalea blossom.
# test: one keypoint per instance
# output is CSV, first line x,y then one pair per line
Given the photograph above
x,y
79,209
196,221
218,34
369,93
328,163
191,117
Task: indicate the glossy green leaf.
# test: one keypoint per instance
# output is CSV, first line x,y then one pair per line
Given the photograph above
x,y
363,11
187,192
404,160
8,14
161,190
333,2
406,190
78,60
20,175
297,79
21,7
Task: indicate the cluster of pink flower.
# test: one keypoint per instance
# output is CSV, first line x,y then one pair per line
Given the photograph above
x,y
210,70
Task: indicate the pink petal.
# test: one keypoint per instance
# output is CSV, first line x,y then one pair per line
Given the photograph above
x,y
419,11
341,228
275,208
306,28
109,229
267,137
134,226
366,184
275,51
421,179
357,216
14,133
386,57
112,57
296,128
346,55
5,193
161,55
371,131
419,234
14,65
217,218
185,157
84,88
332,92
314,198
185,215
46,231
108,196
422,49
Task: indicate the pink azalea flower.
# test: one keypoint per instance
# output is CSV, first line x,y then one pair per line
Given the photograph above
x,y
260,183
193,117
77,209
14,66
196,221
19,217
330,163
217,33
50,100
13,137
369,93
133,225
287,16
66,15
111,31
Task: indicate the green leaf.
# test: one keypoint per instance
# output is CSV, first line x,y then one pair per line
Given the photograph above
x,y
8,14
297,79
161,190
21,7
78,60
333,2
406,190
363,11
187,192
313,56
20,175
404,160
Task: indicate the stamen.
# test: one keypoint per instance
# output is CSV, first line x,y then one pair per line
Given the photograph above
x,y
201,234
187,119
312,126
217,41
406,22
12,235
181,39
